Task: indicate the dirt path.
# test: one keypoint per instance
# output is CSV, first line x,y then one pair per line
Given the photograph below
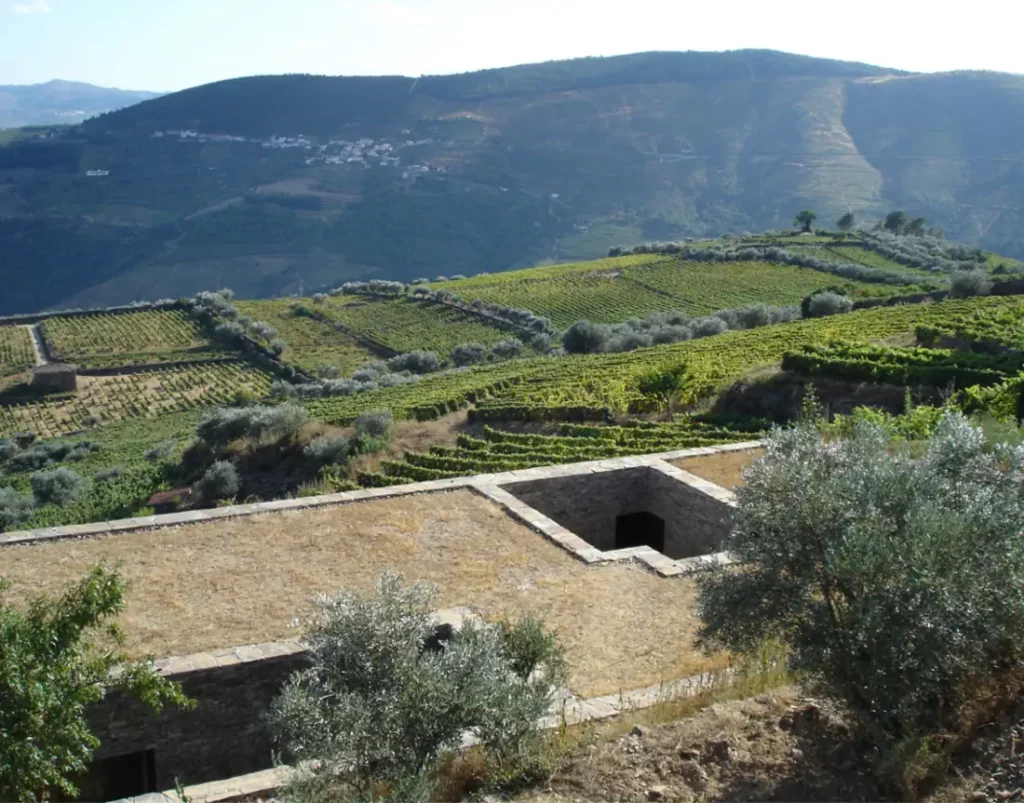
x,y
39,345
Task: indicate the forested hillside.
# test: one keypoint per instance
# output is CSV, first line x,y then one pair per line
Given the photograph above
x,y
286,184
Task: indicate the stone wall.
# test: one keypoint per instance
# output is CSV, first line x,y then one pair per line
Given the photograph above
x,y
222,736
588,504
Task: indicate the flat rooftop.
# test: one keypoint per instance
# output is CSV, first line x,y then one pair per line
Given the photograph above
x,y
235,581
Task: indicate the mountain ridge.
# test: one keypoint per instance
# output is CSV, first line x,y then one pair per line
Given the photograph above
x,y
60,101
495,169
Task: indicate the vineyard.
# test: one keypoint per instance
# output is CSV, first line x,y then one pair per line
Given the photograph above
x,y
614,290
311,343
1000,327
498,451
16,352
404,326
589,387
102,400
126,338
862,362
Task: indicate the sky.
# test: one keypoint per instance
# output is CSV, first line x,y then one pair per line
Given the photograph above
x,y
164,45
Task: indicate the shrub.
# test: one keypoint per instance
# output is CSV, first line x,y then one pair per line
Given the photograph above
x,y
894,581
377,711
375,423
584,337
161,451
60,487
507,349
224,425
282,421
828,303
108,474
230,331
277,346
328,450
708,327
15,508
416,362
7,449
328,372
965,283
469,354
219,482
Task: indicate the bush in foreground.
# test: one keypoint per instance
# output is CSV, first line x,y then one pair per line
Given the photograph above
x,y
50,674
219,482
60,487
965,283
896,582
377,711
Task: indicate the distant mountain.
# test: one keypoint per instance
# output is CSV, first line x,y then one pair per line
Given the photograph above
x,y
61,102
276,184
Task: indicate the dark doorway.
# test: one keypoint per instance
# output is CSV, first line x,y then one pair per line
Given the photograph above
x,y
640,529
119,777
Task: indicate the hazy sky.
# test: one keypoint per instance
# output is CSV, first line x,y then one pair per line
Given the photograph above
x,y
172,44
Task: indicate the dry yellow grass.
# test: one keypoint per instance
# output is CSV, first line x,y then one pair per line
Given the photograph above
x,y
724,469
242,581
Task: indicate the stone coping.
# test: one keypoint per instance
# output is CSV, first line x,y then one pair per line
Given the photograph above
x,y
567,709
480,482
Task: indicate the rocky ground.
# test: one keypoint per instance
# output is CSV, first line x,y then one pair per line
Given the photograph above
x,y
778,747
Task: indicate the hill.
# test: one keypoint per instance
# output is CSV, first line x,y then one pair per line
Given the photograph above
x,y
285,184
61,102
682,346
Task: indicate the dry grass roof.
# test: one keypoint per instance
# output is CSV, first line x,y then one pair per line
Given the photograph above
x,y
724,469
244,580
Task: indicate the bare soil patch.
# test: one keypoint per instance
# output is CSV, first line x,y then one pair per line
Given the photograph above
x,y
777,747
244,580
724,469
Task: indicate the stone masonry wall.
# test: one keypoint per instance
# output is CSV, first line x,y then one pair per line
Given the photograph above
x,y
587,504
223,735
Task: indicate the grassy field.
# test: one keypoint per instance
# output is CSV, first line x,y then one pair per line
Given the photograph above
x,y
126,338
616,289
106,399
311,343
410,325
16,352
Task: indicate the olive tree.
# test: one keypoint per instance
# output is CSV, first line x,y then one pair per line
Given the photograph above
x,y
805,220
383,700
974,282
895,581
51,672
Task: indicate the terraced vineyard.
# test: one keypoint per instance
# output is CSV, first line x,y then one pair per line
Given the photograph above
x,y
1000,326
16,352
500,451
311,343
587,387
100,400
614,290
126,338
862,362
403,326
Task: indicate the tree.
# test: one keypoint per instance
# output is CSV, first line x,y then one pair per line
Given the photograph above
x,y
973,282
845,223
895,222
386,697
50,673
893,580
805,220
916,227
